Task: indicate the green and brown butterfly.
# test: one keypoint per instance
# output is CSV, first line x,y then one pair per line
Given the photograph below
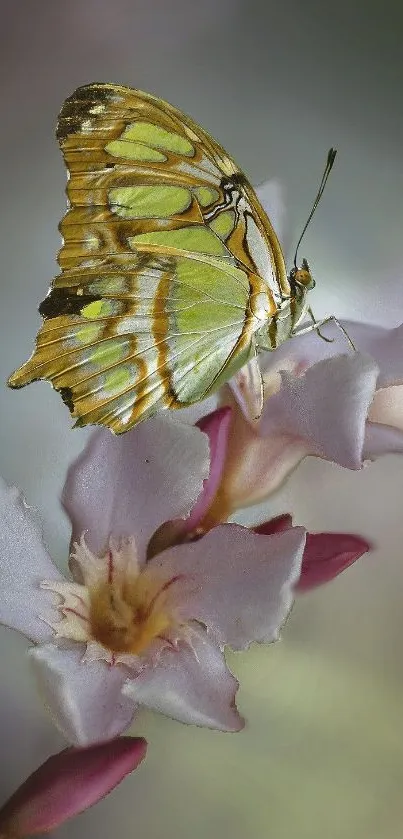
x,y
172,277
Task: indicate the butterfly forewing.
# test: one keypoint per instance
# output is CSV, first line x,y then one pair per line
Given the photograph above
x,y
164,245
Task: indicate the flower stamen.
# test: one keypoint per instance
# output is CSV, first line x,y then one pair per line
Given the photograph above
x,y
120,606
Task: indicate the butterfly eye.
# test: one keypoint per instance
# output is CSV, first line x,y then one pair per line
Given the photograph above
x,y
303,277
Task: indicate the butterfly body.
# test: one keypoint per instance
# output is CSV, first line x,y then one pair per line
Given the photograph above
x,y
172,277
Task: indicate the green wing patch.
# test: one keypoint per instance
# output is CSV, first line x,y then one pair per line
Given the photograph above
x,y
158,337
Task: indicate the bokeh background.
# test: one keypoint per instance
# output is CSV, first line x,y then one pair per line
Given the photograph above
x,y
277,83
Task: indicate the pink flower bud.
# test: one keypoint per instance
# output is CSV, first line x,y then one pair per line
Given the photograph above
x,y
67,784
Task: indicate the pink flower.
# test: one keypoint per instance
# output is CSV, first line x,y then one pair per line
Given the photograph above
x,y
67,784
325,556
343,408
383,426
136,627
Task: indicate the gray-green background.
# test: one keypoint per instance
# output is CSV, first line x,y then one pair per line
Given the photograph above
x,y
277,83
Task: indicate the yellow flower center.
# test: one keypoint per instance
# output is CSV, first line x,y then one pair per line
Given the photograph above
x,y
117,604
126,616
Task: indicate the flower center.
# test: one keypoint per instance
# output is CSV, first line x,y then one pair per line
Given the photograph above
x,y
124,618
117,604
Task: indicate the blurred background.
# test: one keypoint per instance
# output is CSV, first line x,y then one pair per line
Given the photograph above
x,y
277,83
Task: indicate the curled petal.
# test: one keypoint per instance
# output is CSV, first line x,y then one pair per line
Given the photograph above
x,y
326,555
131,484
216,426
239,584
24,563
85,700
255,466
67,784
191,684
247,389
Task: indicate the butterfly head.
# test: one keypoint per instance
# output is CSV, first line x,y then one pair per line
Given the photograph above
x,y
301,278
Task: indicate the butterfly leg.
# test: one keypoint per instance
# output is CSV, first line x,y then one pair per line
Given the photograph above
x,y
316,326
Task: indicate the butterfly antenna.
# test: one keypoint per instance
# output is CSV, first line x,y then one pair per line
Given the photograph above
x,y
328,168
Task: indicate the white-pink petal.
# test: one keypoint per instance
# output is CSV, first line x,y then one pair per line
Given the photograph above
x,y
385,346
131,484
191,684
24,563
384,431
327,407
387,407
84,699
380,440
238,583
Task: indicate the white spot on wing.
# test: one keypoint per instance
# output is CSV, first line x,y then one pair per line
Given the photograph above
x,y
261,256
97,109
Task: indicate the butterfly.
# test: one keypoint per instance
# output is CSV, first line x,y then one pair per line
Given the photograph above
x,y
172,277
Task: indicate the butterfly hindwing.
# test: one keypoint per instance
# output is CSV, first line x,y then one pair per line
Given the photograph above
x,y
164,241
120,346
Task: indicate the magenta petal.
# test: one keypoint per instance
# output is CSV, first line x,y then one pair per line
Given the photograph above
x,y
326,555
67,784
276,525
129,485
216,426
